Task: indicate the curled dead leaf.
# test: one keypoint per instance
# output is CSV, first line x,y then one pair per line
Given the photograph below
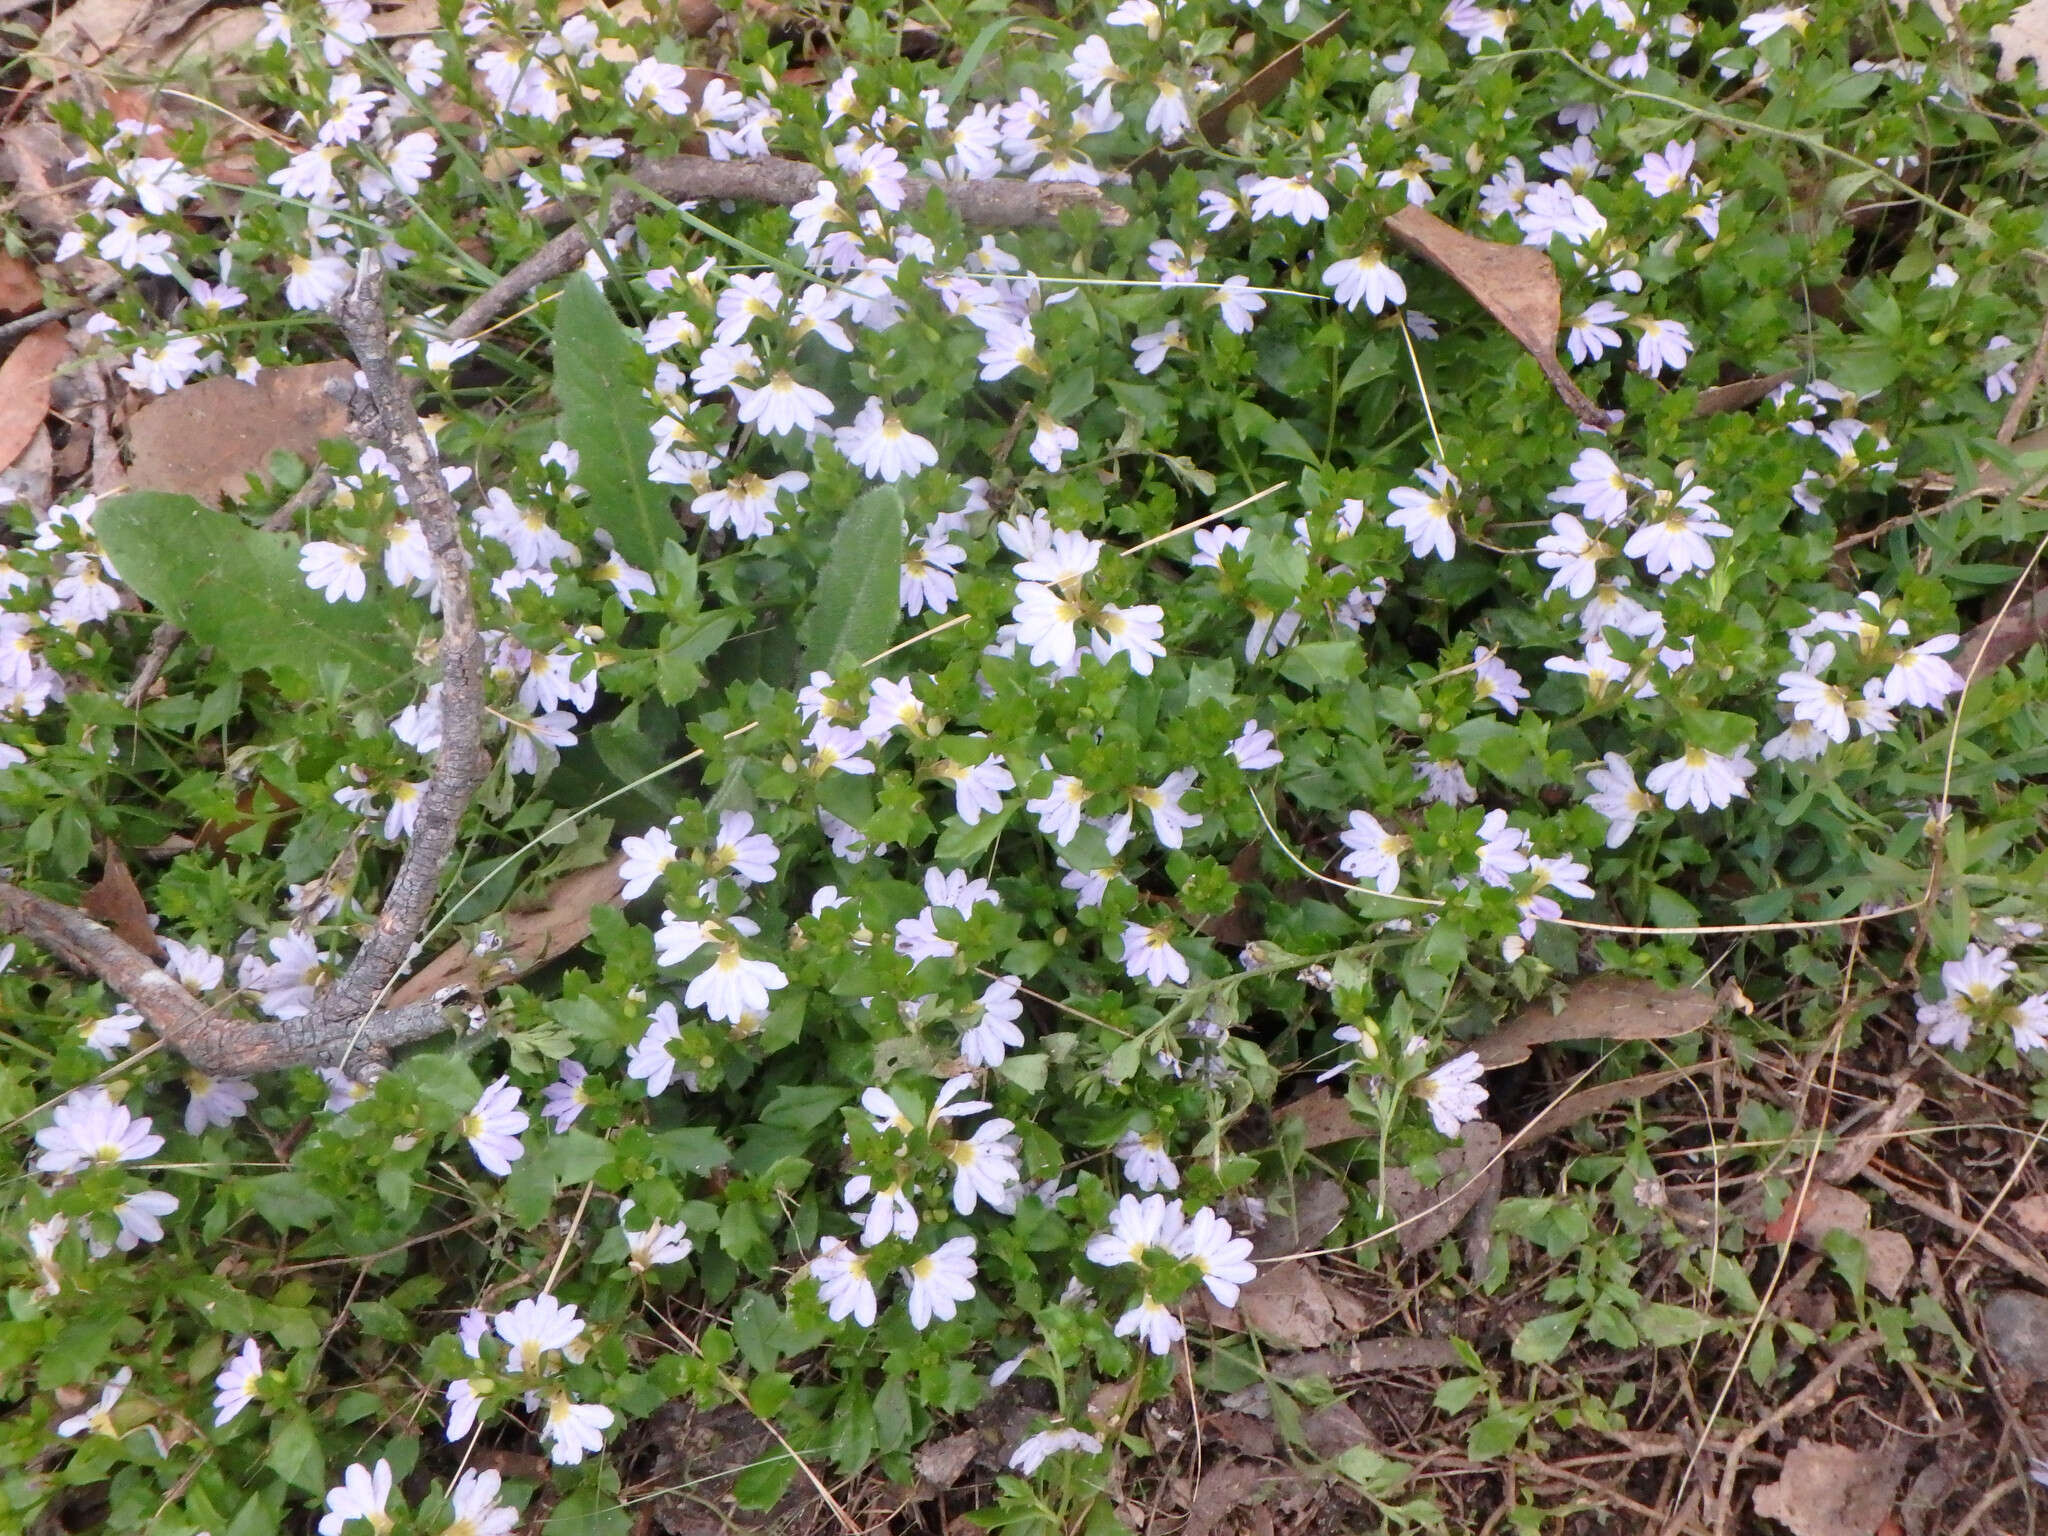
x,y
556,926
20,289
1831,1490
1469,1174
1288,1305
1741,394
1599,1008
117,901
1516,284
25,379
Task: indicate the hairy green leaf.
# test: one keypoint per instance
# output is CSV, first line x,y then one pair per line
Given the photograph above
x,y
607,419
238,589
853,611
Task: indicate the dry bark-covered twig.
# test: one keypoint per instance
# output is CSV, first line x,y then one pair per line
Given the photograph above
x,y
999,204
211,1041
385,415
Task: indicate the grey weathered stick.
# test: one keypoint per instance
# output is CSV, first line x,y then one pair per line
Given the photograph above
x,y
211,1041
385,415
998,204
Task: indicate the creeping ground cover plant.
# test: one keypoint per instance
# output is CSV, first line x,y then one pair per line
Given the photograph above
x,y
923,620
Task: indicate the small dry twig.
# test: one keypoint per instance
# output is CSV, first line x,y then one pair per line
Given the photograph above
x,y
385,414
211,1041
1003,203
2023,396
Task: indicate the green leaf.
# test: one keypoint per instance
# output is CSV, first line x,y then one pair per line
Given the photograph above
x,y
959,843
1664,1326
574,1155
1543,1339
239,590
892,1416
607,420
589,1512
295,1455
692,1149
1455,1395
288,1200
761,1485
1494,1435
854,606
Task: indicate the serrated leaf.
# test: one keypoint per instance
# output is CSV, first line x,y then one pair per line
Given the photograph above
x,y
239,590
854,606
607,420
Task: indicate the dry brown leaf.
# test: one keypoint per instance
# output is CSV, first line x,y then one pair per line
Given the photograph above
x,y
1300,1218
1324,1117
207,439
556,926
1853,1153
940,1463
1598,1099
117,901
1996,640
1740,395
215,35
32,476
1286,1305
1516,284
1599,1008
94,35
1370,1357
2031,1215
1831,1490
2023,35
25,386
1221,1490
1888,1256
1470,1171
1334,1429
87,32
1242,1432
425,16
20,289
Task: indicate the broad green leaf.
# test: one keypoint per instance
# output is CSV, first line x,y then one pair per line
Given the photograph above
x,y
854,607
589,1512
1543,1339
607,420
1665,1326
1494,1435
239,590
762,1484
295,1454
288,1200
